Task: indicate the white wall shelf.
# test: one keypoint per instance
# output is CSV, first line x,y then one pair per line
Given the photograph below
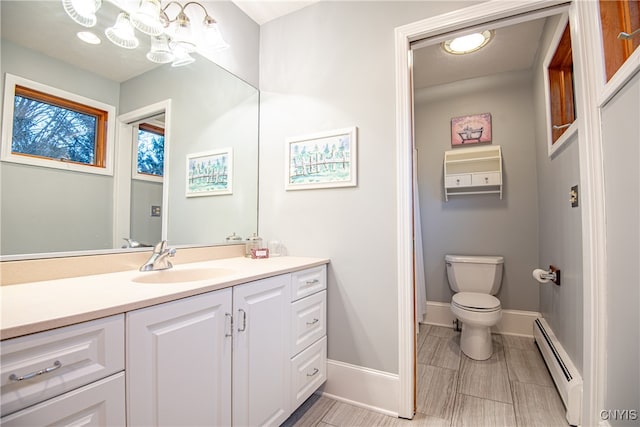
x,y
473,170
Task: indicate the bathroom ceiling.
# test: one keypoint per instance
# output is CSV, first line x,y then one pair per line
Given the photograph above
x,y
513,48
28,23
262,11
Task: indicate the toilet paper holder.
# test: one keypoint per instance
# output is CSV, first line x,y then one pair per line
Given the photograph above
x,y
552,274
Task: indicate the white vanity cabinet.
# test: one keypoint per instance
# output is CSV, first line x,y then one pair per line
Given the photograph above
x,y
179,362
66,376
261,375
243,356
473,170
308,344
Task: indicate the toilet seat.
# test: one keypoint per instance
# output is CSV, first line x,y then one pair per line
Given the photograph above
x,y
474,301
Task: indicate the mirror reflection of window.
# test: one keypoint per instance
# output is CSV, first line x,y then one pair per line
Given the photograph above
x,y
150,152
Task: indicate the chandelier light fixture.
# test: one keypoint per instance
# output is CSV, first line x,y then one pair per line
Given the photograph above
x,y
172,34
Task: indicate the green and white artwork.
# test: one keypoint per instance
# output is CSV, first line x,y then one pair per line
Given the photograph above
x,y
322,160
210,173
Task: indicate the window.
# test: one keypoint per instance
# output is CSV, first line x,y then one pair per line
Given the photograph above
x,y
149,152
561,87
45,126
558,69
617,16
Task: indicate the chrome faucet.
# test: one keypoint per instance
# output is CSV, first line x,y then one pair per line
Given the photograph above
x,y
159,259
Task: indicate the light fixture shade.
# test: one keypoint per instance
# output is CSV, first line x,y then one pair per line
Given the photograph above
x,y
212,35
160,52
180,34
147,18
82,11
88,37
122,33
182,58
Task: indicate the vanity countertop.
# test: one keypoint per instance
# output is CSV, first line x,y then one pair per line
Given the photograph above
x,y
38,306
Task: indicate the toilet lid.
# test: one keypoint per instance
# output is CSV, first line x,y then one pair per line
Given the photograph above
x,y
476,301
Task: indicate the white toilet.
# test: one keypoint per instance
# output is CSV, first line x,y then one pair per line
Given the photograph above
x,y
475,279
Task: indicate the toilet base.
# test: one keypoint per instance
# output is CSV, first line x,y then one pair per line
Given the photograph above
x,y
476,342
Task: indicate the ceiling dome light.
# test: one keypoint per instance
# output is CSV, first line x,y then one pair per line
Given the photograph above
x,y
122,33
82,11
467,44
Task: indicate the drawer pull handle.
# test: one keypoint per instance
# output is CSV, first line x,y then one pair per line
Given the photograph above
x,y
56,365
244,320
315,371
313,322
230,317
312,282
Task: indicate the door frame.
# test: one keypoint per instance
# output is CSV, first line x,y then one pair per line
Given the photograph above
x,y
122,173
591,181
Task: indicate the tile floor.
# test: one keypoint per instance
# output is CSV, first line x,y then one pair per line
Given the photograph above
x,y
512,388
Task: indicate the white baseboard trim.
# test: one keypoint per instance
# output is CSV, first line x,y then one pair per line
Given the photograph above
x,y
514,322
367,388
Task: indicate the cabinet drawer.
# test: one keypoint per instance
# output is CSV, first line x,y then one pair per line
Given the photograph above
x,y
308,321
97,404
462,180
54,362
307,282
487,178
308,372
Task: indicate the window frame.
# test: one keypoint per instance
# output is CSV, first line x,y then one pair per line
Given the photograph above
x,y
104,151
152,126
549,66
616,16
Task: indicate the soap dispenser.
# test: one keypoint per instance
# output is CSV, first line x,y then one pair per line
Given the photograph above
x,y
253,242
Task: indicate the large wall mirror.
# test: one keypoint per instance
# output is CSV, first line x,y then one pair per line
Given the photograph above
x,y
204,109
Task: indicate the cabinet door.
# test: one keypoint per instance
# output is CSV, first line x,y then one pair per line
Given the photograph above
x,y
98,404
261,373
179,362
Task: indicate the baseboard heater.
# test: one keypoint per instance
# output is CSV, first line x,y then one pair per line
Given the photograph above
x,y
565,375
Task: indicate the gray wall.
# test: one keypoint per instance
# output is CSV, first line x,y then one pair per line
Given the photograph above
x,y
243,36
44,209
481,224
560,227
621,152
144,227
330,66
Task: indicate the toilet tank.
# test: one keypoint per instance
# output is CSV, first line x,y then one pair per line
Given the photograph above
x,y
482,274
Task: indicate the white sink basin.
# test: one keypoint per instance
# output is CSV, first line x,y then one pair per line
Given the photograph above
x,y
186,275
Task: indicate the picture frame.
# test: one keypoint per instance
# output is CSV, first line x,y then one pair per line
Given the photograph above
x,y
210,173
322,160
471,129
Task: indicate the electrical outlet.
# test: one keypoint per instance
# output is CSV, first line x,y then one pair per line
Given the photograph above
x,y
156,210
574,196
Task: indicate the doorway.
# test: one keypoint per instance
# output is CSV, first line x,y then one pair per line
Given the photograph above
x,y
436,29
130,185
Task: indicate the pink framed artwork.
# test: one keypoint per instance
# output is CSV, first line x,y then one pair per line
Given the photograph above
x,y
468,130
